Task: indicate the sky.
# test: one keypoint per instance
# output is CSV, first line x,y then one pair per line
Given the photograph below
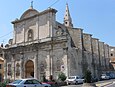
x,y
96,17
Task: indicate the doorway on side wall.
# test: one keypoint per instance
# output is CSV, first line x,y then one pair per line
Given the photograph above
x,y
29,69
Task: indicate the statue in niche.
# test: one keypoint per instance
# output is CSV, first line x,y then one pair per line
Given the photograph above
x,y
9,70
30,35
59,31
58,65
17,69
42,67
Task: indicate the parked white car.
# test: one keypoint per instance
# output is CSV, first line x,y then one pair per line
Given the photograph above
x,y
30,82
74,80
104,77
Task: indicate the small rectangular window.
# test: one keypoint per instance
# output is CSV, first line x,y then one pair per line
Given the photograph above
x,y
0,66
111,54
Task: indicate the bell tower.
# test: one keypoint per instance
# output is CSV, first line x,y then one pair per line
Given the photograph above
x,y
67,18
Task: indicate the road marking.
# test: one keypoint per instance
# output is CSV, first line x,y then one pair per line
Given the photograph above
x,y
102,84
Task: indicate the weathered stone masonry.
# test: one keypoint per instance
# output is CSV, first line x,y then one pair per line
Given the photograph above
x,y
41,46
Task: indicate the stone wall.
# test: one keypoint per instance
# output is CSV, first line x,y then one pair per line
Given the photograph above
x,y
95,55
87,45
75,51
102,55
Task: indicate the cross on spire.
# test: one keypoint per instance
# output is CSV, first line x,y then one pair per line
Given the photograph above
x,y
31,5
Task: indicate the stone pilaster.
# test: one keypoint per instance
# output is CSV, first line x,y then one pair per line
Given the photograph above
x,y
5,69
65,68
106,46
101,52
87,55
13,66
95,55
48,67
22,66
36,67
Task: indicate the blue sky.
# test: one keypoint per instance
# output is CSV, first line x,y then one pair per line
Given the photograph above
x,y
96,17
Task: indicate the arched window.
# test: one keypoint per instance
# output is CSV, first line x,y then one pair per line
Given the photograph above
x,y
30,35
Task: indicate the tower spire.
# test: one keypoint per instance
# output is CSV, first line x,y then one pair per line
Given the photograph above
x,y
67,17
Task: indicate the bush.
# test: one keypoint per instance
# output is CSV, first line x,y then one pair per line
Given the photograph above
x,y
62,76
44,79
88,76
3,84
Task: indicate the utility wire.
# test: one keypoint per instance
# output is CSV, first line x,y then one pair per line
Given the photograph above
x,y
31,3
54,3
6,34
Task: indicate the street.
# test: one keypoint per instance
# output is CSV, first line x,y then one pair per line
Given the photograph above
x,y
105,83
111,85
79,85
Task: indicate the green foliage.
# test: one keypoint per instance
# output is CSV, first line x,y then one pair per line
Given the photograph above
x,y
88,76
44,79
62,76
3,84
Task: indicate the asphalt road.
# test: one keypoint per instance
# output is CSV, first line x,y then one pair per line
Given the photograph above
x,y
111,85
80,85
105,83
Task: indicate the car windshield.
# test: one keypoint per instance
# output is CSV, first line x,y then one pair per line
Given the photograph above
x,y
72,77
103,74
16,81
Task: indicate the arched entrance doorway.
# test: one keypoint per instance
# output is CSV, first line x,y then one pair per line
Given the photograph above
x,y
29,69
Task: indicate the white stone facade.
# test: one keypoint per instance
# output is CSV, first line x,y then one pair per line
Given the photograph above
x,y
43,46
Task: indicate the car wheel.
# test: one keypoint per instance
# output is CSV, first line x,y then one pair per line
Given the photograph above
x,y
76,82
68,83
46,86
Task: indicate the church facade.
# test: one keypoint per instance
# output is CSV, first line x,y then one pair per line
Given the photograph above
x,y
41,46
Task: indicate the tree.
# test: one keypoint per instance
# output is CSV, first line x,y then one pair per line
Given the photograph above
x,y
62,76
88,76
44,78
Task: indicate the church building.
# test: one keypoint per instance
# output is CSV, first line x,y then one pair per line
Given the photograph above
x,y
41,46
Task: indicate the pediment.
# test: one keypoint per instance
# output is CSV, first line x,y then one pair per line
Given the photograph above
x,y
29,13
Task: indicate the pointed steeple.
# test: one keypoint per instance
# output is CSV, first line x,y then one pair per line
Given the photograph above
x,y
67,18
